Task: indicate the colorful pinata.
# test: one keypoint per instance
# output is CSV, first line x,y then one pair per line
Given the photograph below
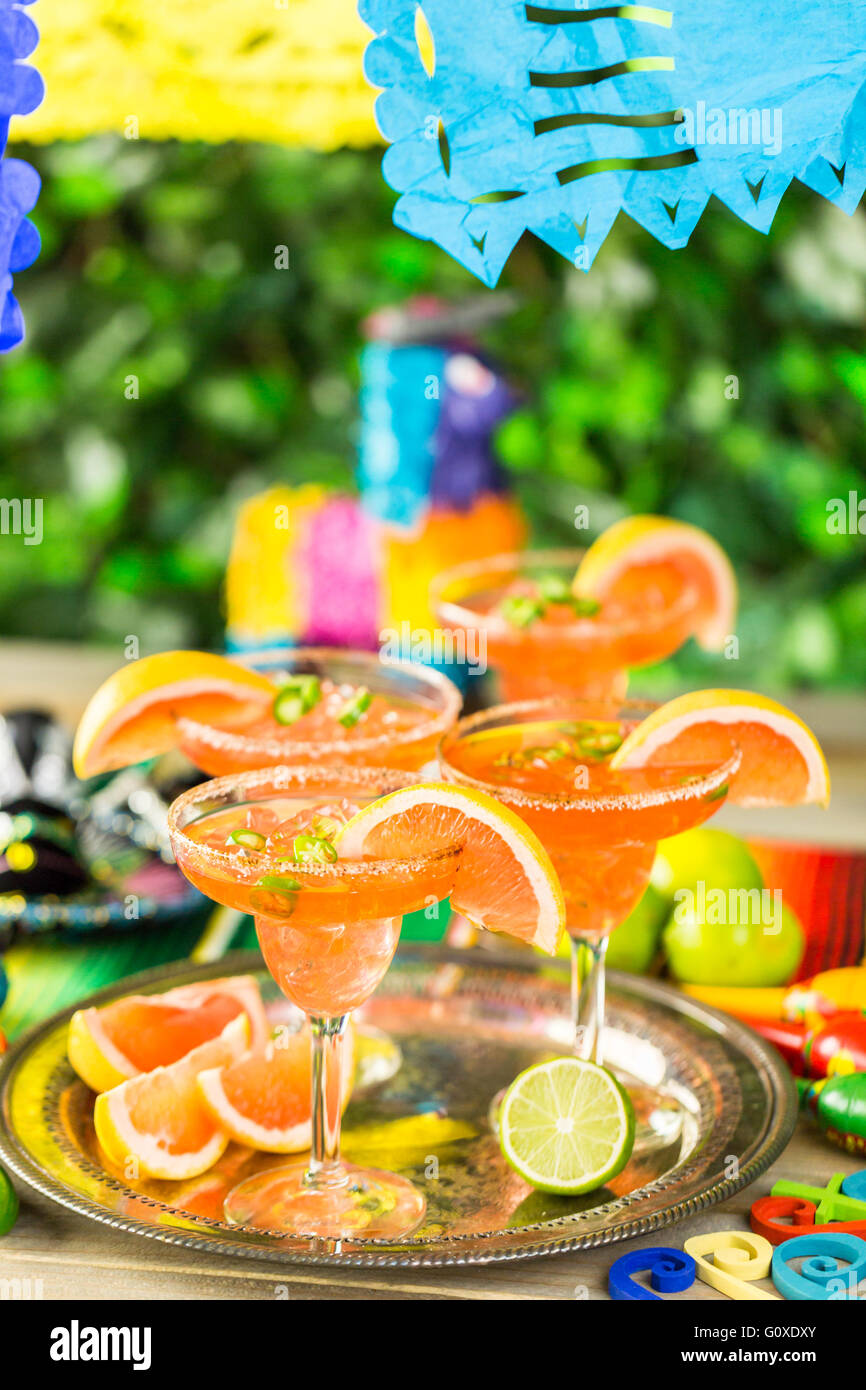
x,y
312,567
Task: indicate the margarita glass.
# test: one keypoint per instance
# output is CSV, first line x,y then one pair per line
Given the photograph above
x,y
549,760
518,610
328,927
333,706
352,708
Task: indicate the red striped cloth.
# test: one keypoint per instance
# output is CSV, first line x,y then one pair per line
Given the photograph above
x,y
827,890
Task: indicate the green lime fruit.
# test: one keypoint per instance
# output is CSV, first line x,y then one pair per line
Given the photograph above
x,y
566,1126
703,952
712,857
634,943
8,1204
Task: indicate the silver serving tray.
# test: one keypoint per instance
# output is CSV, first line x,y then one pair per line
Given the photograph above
x,y
466,1023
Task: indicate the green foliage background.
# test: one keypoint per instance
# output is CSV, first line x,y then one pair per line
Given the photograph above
x,y
158,261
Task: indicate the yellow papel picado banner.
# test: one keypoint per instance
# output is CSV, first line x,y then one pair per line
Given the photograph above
x,y
289,71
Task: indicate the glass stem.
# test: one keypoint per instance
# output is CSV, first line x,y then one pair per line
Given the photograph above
x,y
325,1168
587,995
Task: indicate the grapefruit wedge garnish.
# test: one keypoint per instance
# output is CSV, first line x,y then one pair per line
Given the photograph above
x,y
156,1125
133,1035
263,1099
781,761
133,714
504,879
644,553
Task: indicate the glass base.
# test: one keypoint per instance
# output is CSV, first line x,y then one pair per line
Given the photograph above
x,y
658,1116
371,1204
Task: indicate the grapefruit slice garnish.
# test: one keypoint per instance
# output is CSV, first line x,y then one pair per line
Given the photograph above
x,y
504,879
133,714
110,1045
263,1099
642,552
781,760
156,1125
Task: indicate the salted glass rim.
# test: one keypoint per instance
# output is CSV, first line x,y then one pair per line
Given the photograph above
x,y
514,562
307,783
235,740
593,710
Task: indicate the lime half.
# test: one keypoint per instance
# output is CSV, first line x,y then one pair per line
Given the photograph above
x,y
566,1126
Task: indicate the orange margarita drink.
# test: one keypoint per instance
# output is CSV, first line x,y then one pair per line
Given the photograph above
x,y
328,706
575,621
295,705
550,761
328,925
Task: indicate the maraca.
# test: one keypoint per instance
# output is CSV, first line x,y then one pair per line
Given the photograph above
x,y
837,1046
839,1105
828,993
808,1001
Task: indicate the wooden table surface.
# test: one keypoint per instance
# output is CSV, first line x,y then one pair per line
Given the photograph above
x,y
75,1258
79,1259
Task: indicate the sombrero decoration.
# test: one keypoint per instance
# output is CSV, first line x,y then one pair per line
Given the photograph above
x,y
507,117
76,864
20,92
313,567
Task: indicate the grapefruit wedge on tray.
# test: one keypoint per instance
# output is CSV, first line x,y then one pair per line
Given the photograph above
x,y
133,1035
156,1125
263,1100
